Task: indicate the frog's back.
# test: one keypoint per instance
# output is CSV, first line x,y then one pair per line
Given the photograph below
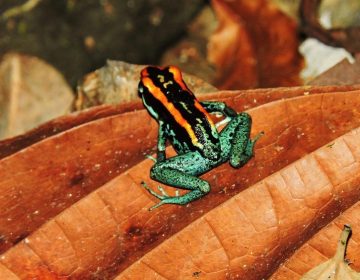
x,y
168,99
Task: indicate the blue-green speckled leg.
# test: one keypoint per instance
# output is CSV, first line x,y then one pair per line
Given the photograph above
x,y
236,144
180,172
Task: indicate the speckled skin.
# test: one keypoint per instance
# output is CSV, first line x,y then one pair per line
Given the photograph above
x,y
194,158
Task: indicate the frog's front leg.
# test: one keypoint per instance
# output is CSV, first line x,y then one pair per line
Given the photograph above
x,y
161,144
181,171
236,144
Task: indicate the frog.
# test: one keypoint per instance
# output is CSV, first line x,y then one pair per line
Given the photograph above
x,y
186,124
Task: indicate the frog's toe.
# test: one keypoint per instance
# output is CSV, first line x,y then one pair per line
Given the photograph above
x,y
156,205
258,136
163,192
161,196
152,192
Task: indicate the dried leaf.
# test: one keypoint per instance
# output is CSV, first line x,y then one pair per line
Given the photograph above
x,y
343,73
12,145
189,53
251,231
244,100
336,268
102,146
227,45
108,230
255,45
31,92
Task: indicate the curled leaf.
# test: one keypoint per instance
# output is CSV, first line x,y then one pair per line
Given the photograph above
x,y
31,92
336,268
255,45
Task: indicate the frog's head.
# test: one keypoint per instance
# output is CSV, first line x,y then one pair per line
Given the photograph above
x,y
159,88
166,79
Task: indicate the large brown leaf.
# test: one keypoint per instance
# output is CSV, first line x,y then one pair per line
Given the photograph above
x,y
110,228
94,147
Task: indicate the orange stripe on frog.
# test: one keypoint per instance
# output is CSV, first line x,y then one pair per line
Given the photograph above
x,y
159,95
178,78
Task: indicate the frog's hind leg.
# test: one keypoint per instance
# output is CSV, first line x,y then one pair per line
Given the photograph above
x,y
236,144
181,172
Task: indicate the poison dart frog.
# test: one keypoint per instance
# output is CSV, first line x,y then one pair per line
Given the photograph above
x,y
186,123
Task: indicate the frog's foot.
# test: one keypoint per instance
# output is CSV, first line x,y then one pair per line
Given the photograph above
x,y
164,197
163,193
237,160
257,137
250,146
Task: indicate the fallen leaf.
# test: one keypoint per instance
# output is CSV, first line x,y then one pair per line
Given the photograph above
x,y
255,45
102,146
31,92
227,53
234,232
251,230
243,99
189,53
343,73
336,268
